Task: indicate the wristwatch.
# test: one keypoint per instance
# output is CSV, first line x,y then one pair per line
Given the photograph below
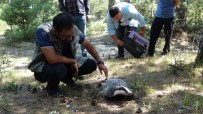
x,y
100,62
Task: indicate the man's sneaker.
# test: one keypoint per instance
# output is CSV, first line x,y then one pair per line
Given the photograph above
x,y
119,57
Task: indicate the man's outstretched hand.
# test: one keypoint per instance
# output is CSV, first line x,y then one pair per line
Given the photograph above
x,y
102,68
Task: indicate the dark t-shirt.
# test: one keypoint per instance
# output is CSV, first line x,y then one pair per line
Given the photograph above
x,y
43,40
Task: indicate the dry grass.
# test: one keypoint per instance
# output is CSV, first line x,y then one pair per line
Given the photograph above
x,y
166,85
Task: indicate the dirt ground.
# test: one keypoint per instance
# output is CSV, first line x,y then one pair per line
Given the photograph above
x,y
21,94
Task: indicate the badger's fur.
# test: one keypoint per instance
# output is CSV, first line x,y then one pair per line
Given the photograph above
x,y
114,87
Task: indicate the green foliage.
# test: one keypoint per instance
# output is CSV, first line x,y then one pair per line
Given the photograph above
x,y
4,59
4,1
11,86
147,8
96,28
195,13
18,35
192,101
28,15
139,87
99,8
21,10
46,9
21,25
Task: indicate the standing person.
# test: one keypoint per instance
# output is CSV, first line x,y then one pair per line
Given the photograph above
x,y
55,58
120,17
163,18
79,9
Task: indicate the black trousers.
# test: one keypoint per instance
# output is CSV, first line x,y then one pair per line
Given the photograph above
x,y
54,73
120,33
157,25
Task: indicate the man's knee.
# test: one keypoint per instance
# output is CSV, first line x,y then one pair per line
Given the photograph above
x,y
88,67
93,65
57,71
60,71
40,77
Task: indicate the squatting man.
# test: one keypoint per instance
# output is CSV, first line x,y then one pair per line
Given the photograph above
x,y
55,58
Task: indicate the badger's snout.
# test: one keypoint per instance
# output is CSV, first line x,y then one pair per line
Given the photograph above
x,y
121,90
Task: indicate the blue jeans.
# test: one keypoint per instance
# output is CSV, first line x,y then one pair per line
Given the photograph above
x,y
80,21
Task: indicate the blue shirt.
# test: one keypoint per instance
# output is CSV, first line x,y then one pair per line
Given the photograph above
x,y
128,11
165,9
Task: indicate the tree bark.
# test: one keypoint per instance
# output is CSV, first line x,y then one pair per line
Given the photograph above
x,y
199,58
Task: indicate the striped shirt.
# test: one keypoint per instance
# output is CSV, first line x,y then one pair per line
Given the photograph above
x,y
74,7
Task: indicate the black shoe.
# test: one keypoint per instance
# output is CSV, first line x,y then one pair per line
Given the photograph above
x,y
150,55
164,53
147,55
119,57
54,92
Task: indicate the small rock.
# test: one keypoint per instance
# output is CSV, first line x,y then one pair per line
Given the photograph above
x,y
69,102
53,112
34,90
94,102
42,88
18,88
109,57
159,95
29,88
139,110
75,110
63,100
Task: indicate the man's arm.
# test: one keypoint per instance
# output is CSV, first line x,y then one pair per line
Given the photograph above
x,y
53,58
142,31
93,52
87,6
116,40
137,16
61,5
176,3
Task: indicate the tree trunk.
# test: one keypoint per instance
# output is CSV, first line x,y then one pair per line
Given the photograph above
x,y
111,3
199,58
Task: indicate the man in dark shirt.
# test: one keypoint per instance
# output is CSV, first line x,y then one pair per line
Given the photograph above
x,y
79,10
55,58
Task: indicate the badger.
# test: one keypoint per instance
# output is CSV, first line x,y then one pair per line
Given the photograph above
x,y
113,87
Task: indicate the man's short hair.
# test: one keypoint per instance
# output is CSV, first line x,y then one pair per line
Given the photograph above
x,y
114,11
63,21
